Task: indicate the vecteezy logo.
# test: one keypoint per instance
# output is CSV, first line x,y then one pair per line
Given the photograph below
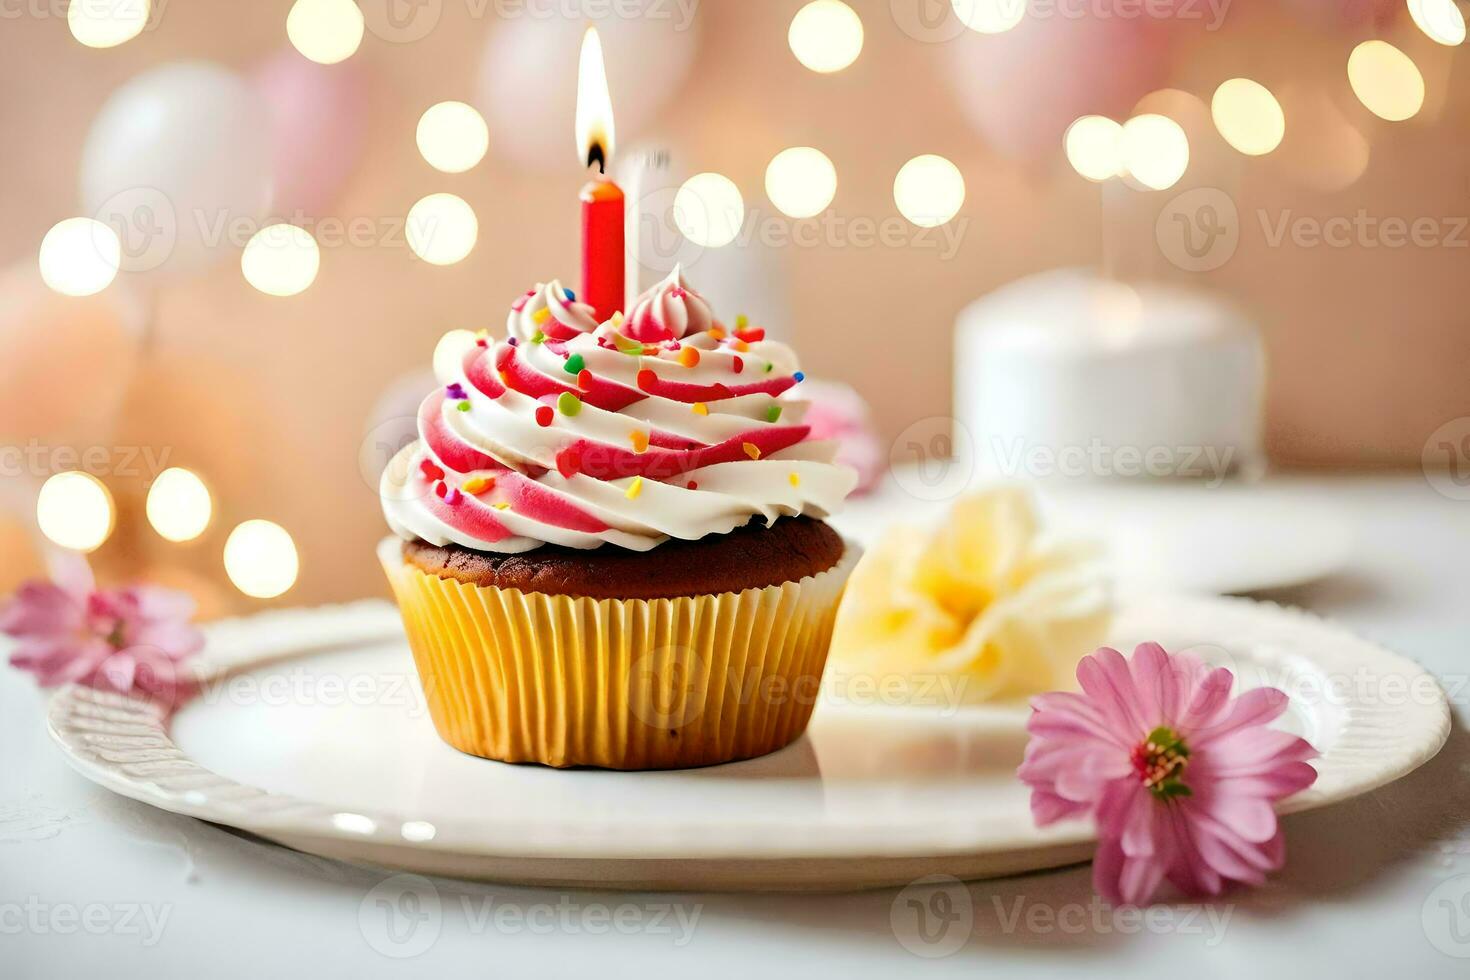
x,y
402,21
929,21
933,458
1446,917
1446,459
933,917
401,917
665,687
1199,230
146,225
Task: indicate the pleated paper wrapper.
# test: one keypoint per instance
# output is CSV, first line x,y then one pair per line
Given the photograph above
x,y
617,683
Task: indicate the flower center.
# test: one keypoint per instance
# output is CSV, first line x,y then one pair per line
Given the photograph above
x,y
1159,762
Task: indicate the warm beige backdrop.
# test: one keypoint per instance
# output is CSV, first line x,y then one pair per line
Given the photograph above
x,y
268,397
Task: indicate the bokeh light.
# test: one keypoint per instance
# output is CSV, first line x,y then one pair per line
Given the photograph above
x,y
74,510
80,257
442,229
453,137
179,505
826,35
107,23
801,181
1386,81
709,210
1094,147
1155,151
1248,116
990,16
929,190
1441,20
326,31
261,559
281,260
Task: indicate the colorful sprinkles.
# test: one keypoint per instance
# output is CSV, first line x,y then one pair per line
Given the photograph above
x,y
635,488
773,414
689,357
478,484
569,404
795,479
639,439
544,415
575,364
699,408
541,315
752,450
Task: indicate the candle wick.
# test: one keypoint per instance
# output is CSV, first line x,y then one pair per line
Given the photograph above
x,y
595,154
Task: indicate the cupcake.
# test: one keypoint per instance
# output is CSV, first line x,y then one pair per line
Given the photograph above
x,y
609,543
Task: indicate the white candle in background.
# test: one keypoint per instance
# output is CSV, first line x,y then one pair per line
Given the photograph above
x,y
746,277
1070,374
653,240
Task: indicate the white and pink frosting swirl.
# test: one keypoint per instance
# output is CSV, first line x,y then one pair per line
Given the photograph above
x,y
581,435
669,311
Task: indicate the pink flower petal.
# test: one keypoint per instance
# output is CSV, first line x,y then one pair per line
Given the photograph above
x,y
1257,707
1209,699
1154,681
1047,808
1249,817
157,603
72,575
118,671
1105,679
40,609
172,640
1140,879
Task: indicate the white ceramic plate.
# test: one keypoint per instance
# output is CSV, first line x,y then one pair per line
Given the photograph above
x,y
1164,535
310,731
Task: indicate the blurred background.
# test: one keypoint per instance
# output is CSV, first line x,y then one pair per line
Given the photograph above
x,y
1333,217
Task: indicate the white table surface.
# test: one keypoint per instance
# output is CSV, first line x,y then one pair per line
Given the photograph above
x,y
91,884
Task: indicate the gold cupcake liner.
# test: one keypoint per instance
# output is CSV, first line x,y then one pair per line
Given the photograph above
x,y
617,683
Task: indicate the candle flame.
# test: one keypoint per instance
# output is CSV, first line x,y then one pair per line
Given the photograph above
x,y
595,130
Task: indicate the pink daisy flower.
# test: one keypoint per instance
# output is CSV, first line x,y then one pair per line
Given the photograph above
x,y
1181,778
129,640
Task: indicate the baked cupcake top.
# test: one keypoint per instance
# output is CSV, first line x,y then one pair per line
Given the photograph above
x,y
664,424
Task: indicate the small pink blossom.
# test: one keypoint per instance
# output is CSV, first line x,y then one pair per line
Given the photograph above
x,y
128,640
1180,777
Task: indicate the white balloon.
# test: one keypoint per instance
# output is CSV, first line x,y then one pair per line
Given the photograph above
x,y
528,78
174,160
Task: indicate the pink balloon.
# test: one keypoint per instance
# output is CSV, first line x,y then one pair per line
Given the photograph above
x,y
318,116
1023,88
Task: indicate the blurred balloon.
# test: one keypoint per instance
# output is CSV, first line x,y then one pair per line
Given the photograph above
x,y
317,116
528,78
173,158
67,365
1097,65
